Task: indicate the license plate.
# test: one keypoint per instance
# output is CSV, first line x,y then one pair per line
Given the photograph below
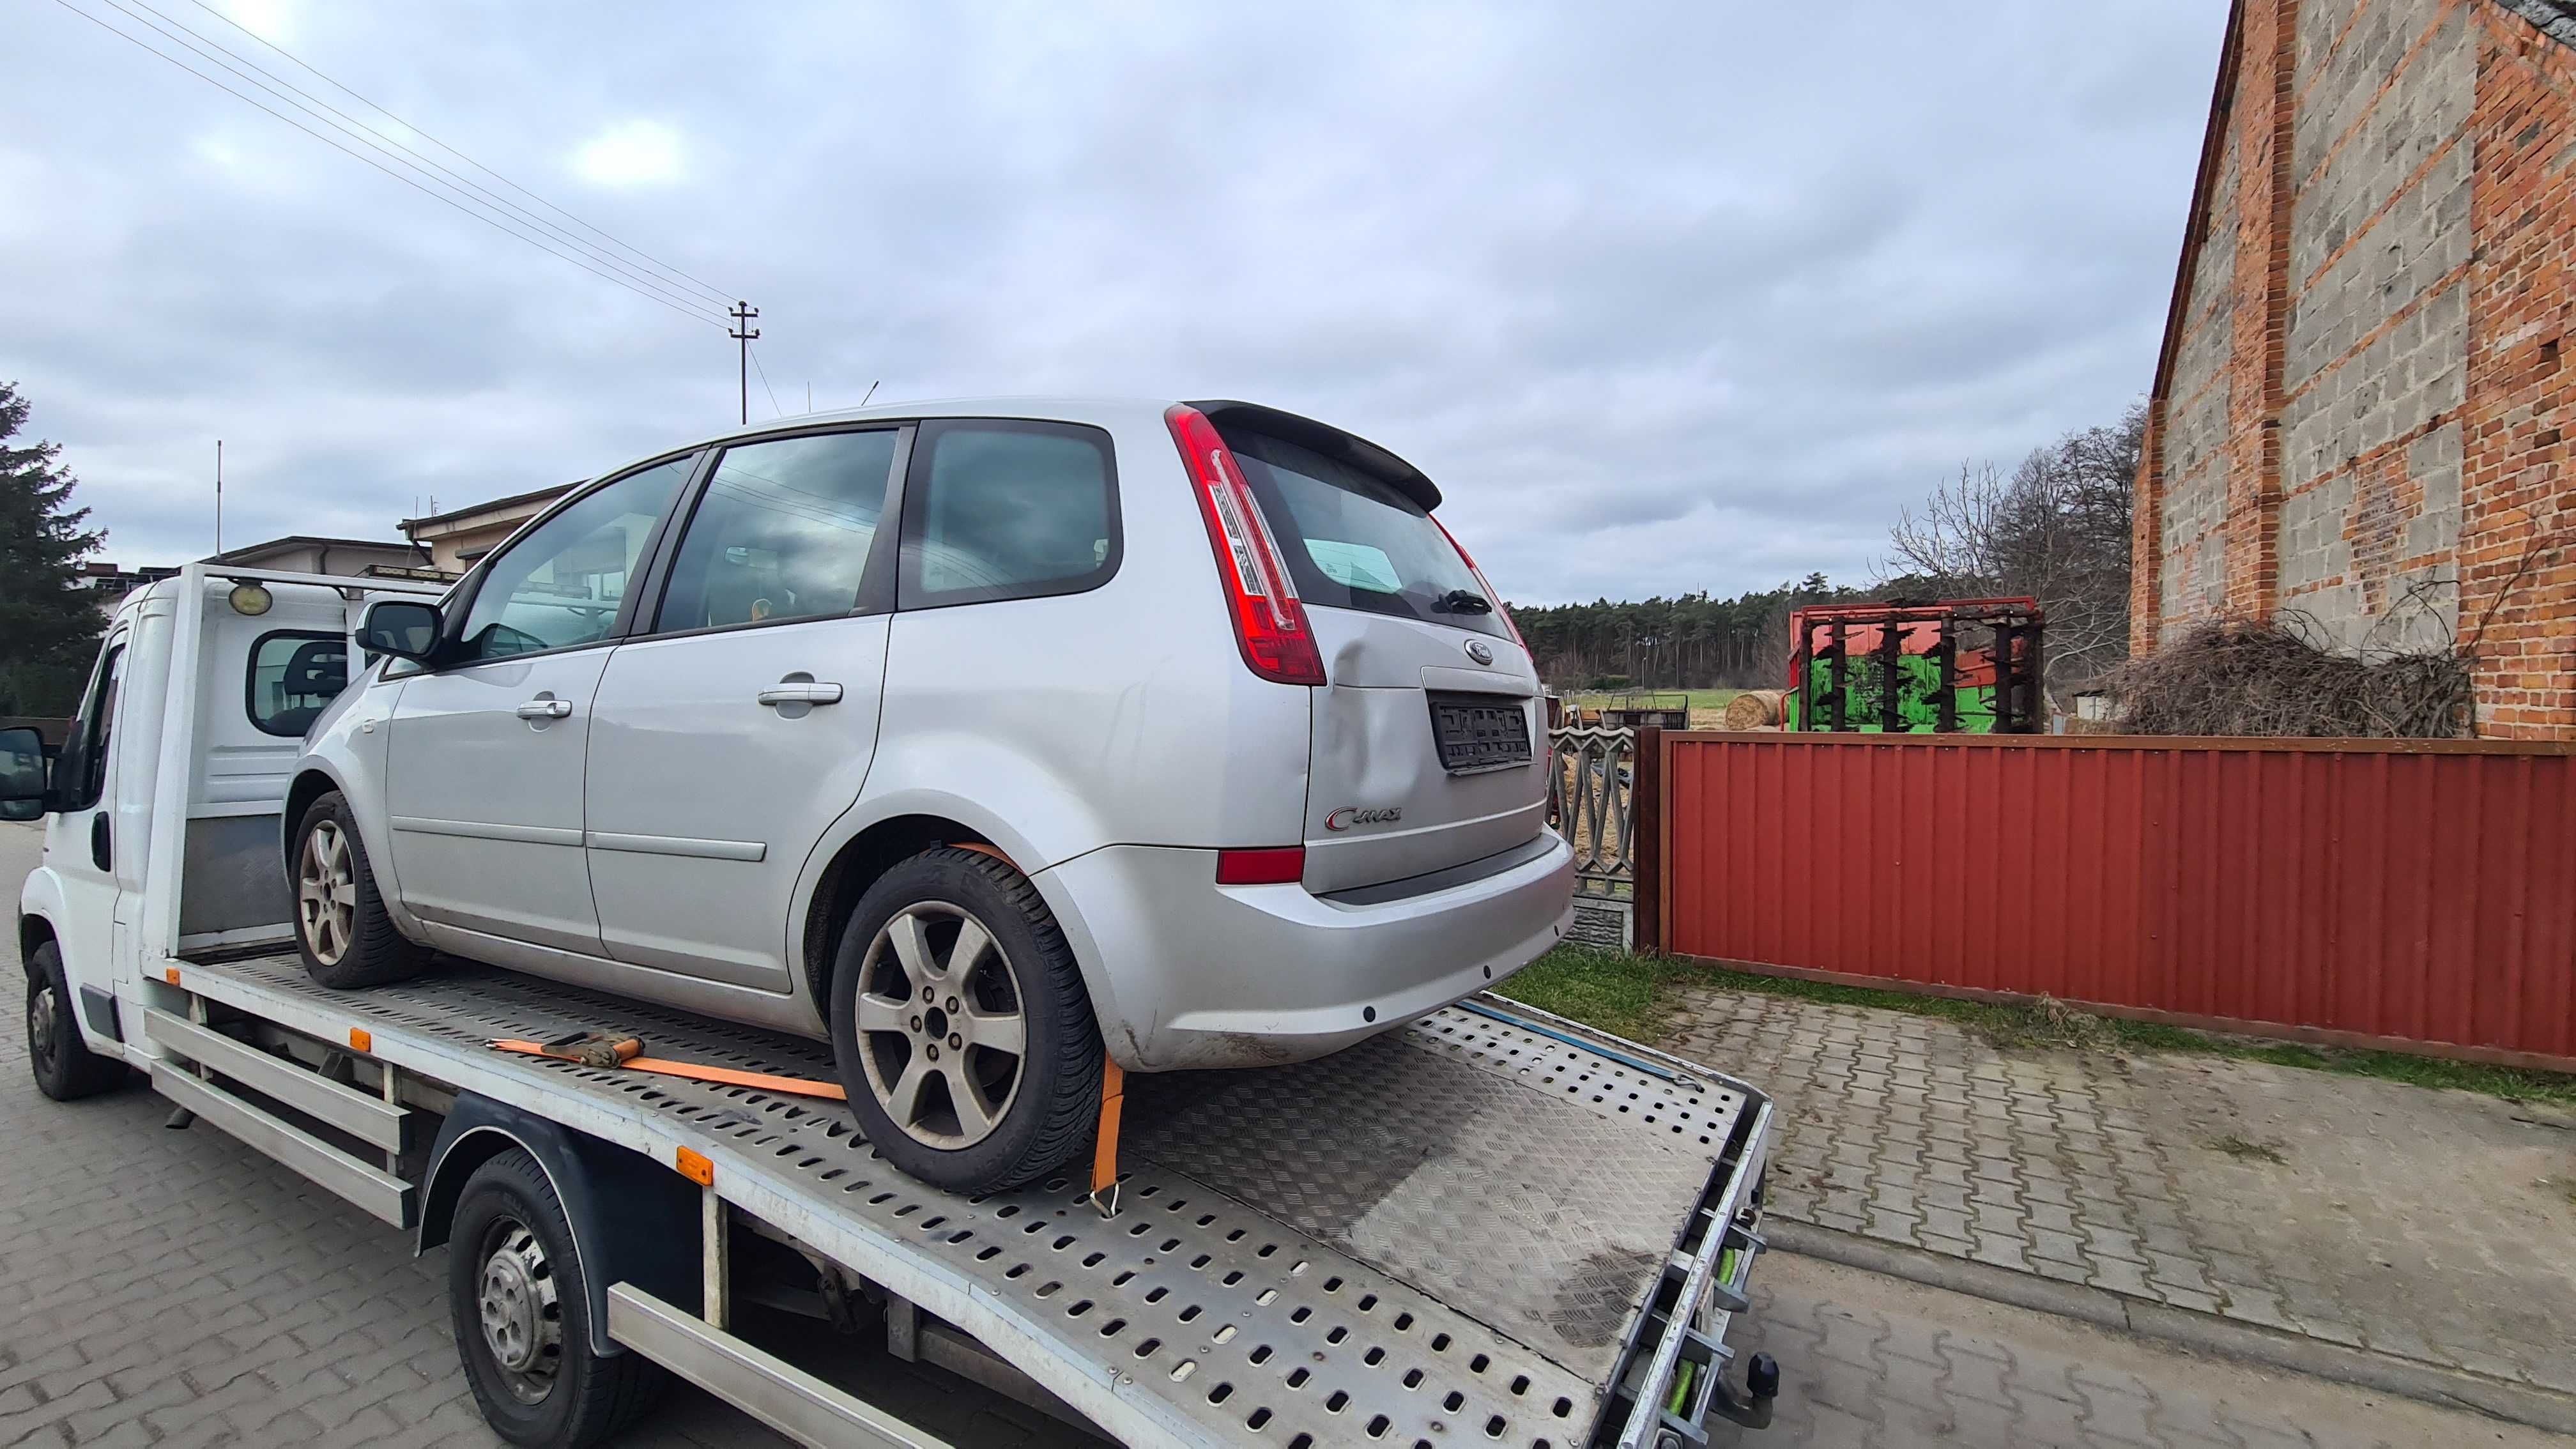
x,y
1474,733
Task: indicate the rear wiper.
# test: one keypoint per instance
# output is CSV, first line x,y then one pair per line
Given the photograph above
x,y
1466,601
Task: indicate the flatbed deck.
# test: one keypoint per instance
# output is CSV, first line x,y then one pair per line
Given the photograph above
x,y
1489,1226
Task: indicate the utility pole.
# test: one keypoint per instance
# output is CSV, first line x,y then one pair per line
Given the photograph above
x,y
219,495
742,332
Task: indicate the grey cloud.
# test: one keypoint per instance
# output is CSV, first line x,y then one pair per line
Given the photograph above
x,y
1684,298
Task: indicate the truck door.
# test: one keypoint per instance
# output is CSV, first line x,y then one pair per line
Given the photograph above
x,y
483,779
727,739
81,839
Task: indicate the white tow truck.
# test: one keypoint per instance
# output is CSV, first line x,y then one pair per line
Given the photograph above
x,y
1492,1226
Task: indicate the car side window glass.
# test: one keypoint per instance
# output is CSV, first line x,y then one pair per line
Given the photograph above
x,y
782,532
1008,510
80,771
561,583
293,676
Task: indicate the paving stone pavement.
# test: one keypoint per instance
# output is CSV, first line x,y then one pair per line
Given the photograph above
x,y
1869,1362
2435,1226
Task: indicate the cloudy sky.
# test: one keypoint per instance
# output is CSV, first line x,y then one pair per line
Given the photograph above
x,y
1666,298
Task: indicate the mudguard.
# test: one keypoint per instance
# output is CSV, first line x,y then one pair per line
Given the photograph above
x,y
633,1220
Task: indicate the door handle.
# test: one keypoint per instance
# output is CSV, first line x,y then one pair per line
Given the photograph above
x,y
801,694
545,708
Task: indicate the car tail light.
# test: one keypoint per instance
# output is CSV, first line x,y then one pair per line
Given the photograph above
x,y
1269,622
1482,586
1270,865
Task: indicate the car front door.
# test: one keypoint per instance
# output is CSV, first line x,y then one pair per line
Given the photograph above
x,y
81,838
738,726
484,770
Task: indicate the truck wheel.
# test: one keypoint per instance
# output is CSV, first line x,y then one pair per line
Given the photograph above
x,y
66,1069
347,940
964,1036
522,1316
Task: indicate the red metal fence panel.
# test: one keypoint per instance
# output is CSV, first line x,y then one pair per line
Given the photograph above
x,y
2417,891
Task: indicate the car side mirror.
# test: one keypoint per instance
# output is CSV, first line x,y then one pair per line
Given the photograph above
x,y
403,628
22,774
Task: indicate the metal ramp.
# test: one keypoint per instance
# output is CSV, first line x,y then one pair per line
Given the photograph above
x,y
1488,1227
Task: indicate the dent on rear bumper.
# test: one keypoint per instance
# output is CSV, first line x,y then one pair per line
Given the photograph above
x,y
1191,974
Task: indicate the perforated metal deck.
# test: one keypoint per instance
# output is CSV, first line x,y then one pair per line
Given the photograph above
x,y
1450,1234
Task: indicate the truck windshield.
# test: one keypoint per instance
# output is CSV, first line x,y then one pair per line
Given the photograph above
x,y
1353,541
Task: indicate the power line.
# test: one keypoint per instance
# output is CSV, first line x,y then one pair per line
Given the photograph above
x,y
327,139
754,354
714,293
377,141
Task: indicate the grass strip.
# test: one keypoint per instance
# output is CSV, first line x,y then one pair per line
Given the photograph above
x,y
1636,997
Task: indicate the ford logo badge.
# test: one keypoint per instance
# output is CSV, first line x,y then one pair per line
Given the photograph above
x,y
1477,650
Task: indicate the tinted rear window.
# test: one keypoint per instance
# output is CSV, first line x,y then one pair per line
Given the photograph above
x,y
1354,541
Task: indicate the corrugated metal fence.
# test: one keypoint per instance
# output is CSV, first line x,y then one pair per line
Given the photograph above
x,y
2398,892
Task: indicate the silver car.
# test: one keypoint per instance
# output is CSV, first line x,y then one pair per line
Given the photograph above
x,y
991,741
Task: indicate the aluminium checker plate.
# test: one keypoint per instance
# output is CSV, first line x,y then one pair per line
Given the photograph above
x,y
1427,1239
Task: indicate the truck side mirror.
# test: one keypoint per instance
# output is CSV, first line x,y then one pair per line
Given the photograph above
x,y
22,774
403,628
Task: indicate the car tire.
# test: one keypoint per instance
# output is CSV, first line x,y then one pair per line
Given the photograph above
x,y
64,1066
521,1311
346,937
958,1136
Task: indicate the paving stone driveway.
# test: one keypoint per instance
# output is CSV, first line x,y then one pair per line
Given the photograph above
x,y
2435,1226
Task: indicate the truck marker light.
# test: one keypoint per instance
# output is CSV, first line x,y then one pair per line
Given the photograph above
x,y
360,1040
694,1166
171,975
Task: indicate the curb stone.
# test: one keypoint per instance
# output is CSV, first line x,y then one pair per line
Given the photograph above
x,y
2201,1332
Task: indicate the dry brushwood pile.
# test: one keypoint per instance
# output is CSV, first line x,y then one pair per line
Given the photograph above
x,y
2237,678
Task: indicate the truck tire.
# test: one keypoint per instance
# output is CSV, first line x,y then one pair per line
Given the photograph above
x,y
342,930
963,1033
521,1312
65,1068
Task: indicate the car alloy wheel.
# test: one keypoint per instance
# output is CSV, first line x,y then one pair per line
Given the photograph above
x,y
326,893
941,1031
522,1320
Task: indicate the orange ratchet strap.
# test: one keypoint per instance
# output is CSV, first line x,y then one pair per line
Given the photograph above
x,y
628,1053
1104,1147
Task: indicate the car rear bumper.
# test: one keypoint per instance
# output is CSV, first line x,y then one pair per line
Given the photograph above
x,y
1186,973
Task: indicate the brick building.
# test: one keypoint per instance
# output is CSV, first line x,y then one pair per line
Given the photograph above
x,y
2359,408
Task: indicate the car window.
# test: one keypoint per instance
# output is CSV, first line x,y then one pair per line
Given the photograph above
x,y
1353,541
560,584
782,532
80,771
293,676
1008,510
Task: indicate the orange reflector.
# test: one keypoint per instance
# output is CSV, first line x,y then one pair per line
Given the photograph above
x,y
695,1167
171,975
360,1041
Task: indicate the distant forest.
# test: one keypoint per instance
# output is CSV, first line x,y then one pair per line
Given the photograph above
x,y
1693,642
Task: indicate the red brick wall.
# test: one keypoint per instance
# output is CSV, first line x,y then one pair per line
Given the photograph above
x,y
2518,573
2364,348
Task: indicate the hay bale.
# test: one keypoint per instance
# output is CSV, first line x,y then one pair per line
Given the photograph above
x,y
1756,709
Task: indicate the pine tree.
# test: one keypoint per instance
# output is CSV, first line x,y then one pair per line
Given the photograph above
x,y
49,624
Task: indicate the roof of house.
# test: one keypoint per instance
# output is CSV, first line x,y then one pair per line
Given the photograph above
x,y
2554,17
253,552
533,495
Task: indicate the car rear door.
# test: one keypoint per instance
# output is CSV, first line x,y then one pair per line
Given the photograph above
x,y
729,736
1427,732
483,785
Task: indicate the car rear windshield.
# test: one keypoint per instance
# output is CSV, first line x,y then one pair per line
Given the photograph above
x,y
1354,541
